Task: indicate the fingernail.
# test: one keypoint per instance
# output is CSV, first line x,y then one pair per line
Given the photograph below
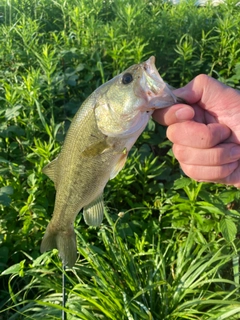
x,y
184,114
235,152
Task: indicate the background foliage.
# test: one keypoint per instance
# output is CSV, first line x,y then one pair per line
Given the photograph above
x,y
168,247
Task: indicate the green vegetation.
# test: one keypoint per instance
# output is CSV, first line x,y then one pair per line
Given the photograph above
x,y
168,248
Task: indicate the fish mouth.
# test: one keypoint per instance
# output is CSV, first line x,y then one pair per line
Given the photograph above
x,y
154,81
181,100
159,93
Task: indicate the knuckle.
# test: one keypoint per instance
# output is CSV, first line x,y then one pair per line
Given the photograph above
x,y
202,78
207,138
189,170
178,152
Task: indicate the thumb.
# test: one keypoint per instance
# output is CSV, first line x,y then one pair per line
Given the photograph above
x,y
207,92
174,114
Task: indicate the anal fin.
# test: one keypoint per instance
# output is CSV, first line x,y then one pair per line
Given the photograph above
x,y
93,212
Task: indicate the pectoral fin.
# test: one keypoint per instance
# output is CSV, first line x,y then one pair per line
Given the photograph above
x,y
50,170
119,165
93,213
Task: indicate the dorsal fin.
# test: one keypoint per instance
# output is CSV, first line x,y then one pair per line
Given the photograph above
x,y
50,170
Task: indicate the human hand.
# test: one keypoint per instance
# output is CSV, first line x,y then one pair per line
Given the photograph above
x,y
206,134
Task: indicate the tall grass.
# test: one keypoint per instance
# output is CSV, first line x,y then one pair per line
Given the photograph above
x,y
131,277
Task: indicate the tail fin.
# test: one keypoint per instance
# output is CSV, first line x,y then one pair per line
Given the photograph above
x,y
64,241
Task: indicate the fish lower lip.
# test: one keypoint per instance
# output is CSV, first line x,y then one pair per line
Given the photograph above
x,y
181,100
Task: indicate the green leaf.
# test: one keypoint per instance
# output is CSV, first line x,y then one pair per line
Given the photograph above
x,y
16,268
12,131
7,190
5,200
227,196
228,229
181,183
12,112
3,160
151,125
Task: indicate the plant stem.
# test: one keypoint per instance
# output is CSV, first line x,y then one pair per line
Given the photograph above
x,y
63,293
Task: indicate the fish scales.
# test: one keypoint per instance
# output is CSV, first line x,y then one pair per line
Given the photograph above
x,y
96,148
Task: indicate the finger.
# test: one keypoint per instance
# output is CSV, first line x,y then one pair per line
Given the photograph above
x,y
211,173
197,135
234,178
221,154
218,155
176,113
204,90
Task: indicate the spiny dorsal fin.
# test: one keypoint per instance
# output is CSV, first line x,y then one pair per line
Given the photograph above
x,y
50,170
93,212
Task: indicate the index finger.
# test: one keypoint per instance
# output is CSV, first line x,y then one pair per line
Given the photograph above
x,y
206,91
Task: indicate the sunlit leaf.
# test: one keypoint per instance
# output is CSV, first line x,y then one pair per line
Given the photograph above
x,y
13,112
181,183
228,229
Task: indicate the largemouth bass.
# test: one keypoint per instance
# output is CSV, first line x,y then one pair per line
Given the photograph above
x,y
96,148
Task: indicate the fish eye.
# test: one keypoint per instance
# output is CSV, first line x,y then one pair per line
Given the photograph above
x,y
127,78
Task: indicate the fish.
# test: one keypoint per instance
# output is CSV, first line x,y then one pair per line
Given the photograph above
x,y
96,147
